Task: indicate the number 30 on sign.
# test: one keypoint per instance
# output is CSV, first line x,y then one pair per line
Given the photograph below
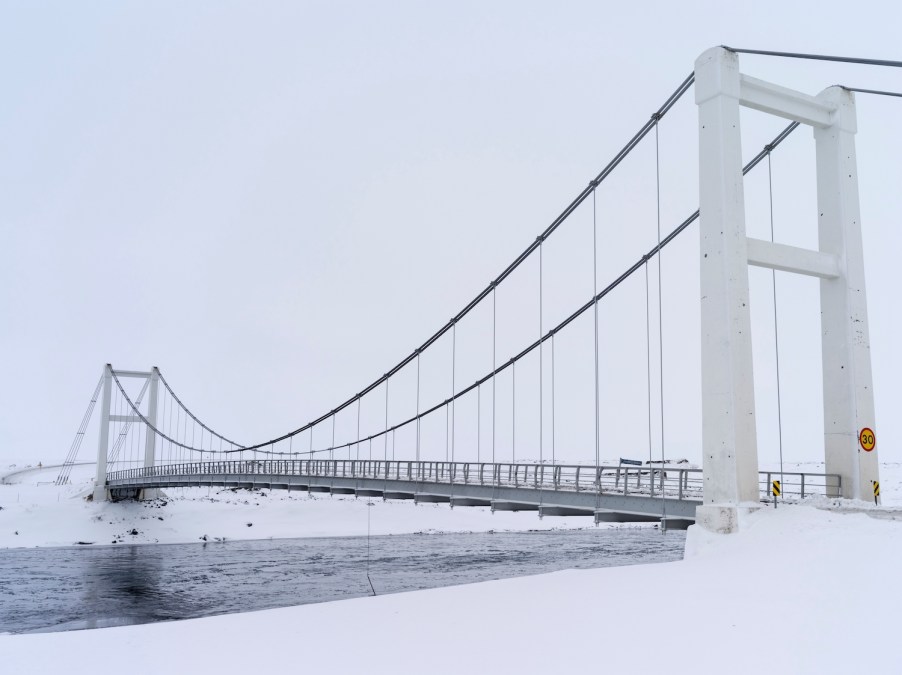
x,y
867,439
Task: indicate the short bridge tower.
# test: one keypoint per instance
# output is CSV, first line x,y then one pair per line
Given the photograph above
x,y
152,382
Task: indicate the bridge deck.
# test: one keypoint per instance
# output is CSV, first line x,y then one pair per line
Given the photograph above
x,y
609,493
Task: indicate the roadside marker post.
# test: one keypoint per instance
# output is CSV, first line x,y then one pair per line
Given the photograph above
x,y
776,491
876,485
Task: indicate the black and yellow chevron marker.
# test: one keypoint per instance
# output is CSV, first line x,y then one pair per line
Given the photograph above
x,y
876,488
775,489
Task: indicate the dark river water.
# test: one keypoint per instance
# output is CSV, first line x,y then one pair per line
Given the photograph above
x,y
91,587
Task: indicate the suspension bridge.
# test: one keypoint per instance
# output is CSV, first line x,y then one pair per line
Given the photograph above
x,y
150,440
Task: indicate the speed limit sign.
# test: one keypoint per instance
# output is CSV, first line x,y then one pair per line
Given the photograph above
x,y
868,439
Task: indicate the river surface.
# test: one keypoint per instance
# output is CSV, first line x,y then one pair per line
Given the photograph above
x,y
71,588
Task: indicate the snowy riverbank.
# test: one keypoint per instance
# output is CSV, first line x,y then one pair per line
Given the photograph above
x,y
799,589
34,512
808,589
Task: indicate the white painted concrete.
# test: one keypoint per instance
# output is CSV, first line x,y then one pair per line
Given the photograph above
x,y
846,350
728,408
103,443
729,437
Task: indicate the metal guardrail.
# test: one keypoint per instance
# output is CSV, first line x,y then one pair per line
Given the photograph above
x,y
800,485
670,481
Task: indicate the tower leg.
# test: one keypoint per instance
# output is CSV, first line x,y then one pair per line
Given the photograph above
x,y
729,439
151,437
845,342
103,445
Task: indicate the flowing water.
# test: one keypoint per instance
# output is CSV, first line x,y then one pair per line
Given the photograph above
x,y
90,587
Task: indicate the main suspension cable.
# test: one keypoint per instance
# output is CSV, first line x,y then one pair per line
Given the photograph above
x,y
189,413
817,57
579,199
527,350
878,92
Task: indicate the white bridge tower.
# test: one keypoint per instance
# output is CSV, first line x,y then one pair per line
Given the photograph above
x,y
152,380
729,439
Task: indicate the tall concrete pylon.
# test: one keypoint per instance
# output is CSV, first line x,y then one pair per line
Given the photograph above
x,y
729,440
107,417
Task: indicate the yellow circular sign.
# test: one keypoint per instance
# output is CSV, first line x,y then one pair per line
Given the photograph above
x,y
868,439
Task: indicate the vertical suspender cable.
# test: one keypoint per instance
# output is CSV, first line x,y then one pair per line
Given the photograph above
x,y
453,395
332,449
648,357
114,410
552,403
164,455
169,433
181,432
183,423
132,439
595,325
385,435
419,468
541,382
356,463
514,413
119,437
494,378
773,273
123,437
660,317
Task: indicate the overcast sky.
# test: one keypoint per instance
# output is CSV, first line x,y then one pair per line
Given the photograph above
x,y
275,202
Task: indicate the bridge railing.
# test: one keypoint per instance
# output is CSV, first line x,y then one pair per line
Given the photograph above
x,y
679,483
649,480
800,485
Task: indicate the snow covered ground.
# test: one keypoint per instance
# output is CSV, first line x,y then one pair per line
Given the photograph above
x,y
799,589
34,512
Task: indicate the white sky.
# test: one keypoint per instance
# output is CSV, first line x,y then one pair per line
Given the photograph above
x,y
275,202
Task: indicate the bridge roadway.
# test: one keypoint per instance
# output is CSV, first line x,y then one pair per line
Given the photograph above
x,y
609,493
